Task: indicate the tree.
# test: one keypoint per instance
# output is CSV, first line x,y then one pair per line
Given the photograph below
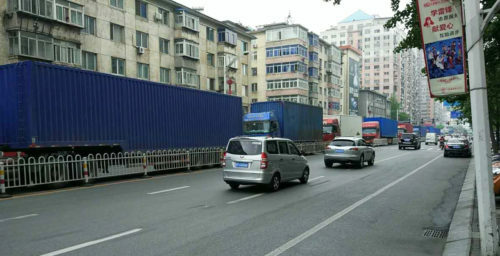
x,y
394,107
403,116
408,17
440,126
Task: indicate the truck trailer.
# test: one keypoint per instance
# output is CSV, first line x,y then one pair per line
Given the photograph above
x,y
49,109
380,130
295,121
341,125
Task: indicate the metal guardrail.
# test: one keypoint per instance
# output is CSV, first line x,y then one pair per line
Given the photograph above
x,y
25,172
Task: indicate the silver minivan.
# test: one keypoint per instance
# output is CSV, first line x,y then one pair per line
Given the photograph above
x,y
263,160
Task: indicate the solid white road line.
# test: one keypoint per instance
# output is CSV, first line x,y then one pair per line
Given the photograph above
x,y
80,246
167,190
339,215
386,159
245,198
19,217
429,149
316,178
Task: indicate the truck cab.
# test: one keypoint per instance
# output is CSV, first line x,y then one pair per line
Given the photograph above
x,y
331,129
261,124
371,131
404,128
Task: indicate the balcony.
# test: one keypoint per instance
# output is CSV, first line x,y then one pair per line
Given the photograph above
x,y
182,62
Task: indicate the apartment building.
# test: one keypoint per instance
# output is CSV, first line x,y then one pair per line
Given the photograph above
x,y
351,75
381,67
292,64
373,104
412,77
158,40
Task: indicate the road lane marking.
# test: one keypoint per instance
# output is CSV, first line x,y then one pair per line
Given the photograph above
x,y
386,159
429,149
244,198
340,214
19,217
316,178
167,190
87,244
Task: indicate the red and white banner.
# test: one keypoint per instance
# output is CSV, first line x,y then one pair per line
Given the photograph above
x,y
443,43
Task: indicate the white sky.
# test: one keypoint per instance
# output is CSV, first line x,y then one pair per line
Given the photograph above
x,y
316,15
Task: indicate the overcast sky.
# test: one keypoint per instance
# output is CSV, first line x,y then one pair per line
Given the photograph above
x,y
316,15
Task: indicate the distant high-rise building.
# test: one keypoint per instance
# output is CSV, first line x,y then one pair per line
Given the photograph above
x,y
381,67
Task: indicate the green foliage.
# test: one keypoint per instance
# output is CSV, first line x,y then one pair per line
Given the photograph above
x,y
440,126
394,107
403,116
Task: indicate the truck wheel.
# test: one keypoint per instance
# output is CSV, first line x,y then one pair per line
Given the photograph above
x,y
305,176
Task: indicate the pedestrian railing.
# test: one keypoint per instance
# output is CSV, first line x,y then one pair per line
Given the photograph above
x,y
31,171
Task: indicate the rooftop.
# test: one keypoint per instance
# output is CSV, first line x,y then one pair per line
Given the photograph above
x,y
357,16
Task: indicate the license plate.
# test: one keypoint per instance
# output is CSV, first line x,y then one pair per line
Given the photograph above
x,y
339,151
242,165
456,146
406,142
406,139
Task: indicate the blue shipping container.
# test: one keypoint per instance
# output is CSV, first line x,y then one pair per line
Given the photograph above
x,y
298,122
421,130
388,127
63,106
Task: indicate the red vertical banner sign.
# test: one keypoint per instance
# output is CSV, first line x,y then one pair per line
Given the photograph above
x,y
443,43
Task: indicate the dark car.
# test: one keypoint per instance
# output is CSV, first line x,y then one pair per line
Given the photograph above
x,y
409,140
457,147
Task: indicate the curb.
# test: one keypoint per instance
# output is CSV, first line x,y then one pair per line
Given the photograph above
x,y
460,234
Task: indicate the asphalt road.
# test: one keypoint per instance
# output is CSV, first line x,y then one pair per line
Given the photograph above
x,y
378,210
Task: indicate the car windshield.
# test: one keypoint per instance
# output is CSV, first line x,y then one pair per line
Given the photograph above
x,y
401,130
244,147
408,136
327,129
256,127
342,143
369,130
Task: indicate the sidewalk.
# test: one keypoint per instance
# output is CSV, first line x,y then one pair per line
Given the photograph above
x,y
463,230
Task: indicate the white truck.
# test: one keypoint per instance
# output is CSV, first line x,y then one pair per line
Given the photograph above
x,y
341,126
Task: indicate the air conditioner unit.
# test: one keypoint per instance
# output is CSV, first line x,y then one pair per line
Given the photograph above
x,y
158,16
140,50
254,46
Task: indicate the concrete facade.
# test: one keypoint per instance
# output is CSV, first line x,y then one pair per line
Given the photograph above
x,y
123,37
293,64
381,67
373,104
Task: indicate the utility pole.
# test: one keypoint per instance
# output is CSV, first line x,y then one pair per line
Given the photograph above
x,y
480,121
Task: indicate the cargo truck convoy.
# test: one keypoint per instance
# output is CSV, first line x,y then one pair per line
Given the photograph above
x,y
295,121
341,125
48,109
380,131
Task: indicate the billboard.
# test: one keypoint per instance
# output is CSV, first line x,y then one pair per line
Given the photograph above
x,y
442,38
354,76
455,114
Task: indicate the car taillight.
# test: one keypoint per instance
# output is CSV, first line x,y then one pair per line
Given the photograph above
x,y
327,147
354,149
263,161
223,160
446,146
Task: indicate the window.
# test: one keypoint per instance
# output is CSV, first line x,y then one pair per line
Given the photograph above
x,y
211,59
386,73
376,88
286,50
141,8
313,56
386,65
313,72
254,71
187,48
69,12
89,27
210,34
117,66
377,82
211,84
164,16
287,83
66,52
164,75
244,92
188,21
376,67
386,80
292,32
164,45
188,77
228,36
31,44
117,33
89,60
376,31
116,3
286,67
141,39
142,71
254,54
254,100
38,7
386,87
283,147
254,87
244,46
244,69
272,147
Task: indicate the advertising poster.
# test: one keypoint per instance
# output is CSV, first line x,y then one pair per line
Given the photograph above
x,y
354,76
443,41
